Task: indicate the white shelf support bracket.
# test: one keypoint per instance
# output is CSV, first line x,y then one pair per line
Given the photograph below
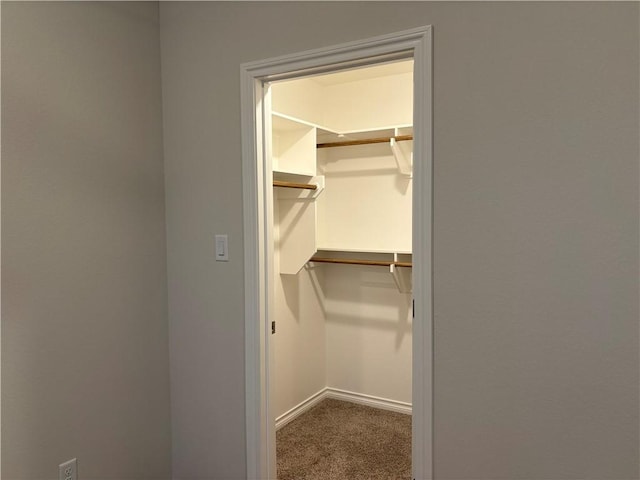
x,y
401,276
403,154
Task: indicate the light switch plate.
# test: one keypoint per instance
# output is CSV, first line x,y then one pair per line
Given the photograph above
x,y
222,248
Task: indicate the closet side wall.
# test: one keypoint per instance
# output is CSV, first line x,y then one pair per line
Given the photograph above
x,y
299,342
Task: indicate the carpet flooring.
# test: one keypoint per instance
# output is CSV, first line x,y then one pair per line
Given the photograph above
x,y
338,440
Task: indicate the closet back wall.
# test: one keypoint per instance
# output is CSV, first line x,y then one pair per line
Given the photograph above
x,y
368,330
344,327
535,229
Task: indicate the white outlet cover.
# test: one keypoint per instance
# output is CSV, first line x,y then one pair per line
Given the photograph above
x,y
68,470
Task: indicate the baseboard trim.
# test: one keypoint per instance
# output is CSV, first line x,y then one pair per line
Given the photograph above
x,y
344,395
299,409
369,400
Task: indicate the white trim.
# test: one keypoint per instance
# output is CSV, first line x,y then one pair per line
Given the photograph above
x,y
345,396
301,408
0,272
256,208
422,438
254,255
369,400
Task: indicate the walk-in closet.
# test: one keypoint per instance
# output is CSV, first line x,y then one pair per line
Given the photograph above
x,y
340,368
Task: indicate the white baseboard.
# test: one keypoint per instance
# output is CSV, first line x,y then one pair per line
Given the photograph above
x,y
369,400
299,409
345,395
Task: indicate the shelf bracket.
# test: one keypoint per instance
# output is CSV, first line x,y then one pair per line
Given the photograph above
x,y
401,276
403,154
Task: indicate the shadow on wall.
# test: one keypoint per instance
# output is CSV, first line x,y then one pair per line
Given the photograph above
x,y
358,161
363,296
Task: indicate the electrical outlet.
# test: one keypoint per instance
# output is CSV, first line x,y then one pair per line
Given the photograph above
x,y
68,470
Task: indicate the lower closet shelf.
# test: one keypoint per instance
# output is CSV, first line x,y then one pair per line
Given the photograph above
x,y
401,276
356,261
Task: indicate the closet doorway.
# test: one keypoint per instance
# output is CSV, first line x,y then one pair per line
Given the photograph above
x,y
336,157
341,158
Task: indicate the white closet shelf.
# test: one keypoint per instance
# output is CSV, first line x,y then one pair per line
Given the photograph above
x,y
390,139
363,251
293,146
328,136
359,261
282,121
399,268
285,176
399,139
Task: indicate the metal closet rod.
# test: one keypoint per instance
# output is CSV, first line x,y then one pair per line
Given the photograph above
x,y
304,186
365,141
355,261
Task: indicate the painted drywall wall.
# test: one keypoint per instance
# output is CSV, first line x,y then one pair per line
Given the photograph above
x,y
379,102
535,229
366,205
301,98
344,327
378,217
349,104
84,317
299,346
368,330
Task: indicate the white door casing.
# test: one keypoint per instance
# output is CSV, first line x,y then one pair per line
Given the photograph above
x,y
258,216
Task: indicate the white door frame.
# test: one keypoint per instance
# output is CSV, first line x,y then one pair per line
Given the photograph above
x,y
257,204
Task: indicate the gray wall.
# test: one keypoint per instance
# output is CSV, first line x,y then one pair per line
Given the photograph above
x,y
536,232
536,227
84,323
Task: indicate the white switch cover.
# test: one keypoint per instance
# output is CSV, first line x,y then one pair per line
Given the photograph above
x,y
222,248
68,470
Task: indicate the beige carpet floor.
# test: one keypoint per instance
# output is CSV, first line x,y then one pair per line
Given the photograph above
x,y
338,440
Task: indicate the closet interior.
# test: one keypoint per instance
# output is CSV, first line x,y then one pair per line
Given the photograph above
x,y
341,154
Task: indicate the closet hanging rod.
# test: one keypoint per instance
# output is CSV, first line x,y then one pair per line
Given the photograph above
x,y
304,186
365,141
355,261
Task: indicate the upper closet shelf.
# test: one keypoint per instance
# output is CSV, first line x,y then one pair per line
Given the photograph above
x,y
293,149
361,251
295,142
365,141
399,139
